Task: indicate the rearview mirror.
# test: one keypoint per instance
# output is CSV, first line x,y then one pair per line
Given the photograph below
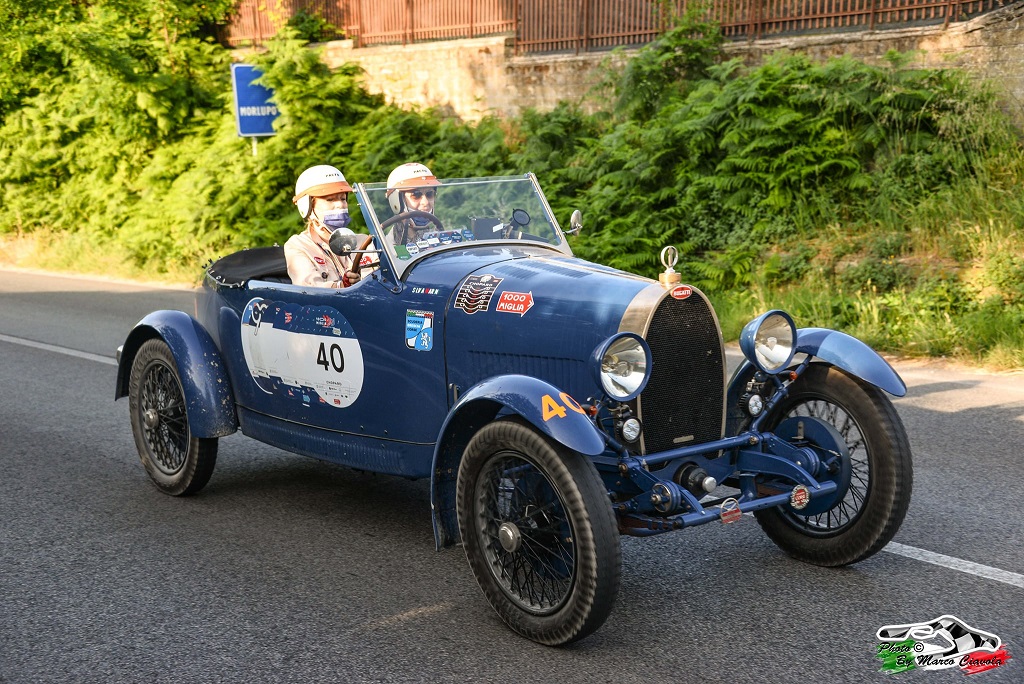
x,y
520,217
342,243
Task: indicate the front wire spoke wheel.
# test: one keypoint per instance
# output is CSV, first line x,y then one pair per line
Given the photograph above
x,y
872,509
521,552
849,508
539,532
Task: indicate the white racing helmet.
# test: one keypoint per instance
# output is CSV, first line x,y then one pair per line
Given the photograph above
x,y
407,177
317,181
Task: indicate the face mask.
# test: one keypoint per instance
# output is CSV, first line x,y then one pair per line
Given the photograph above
x,y
335,220
421,222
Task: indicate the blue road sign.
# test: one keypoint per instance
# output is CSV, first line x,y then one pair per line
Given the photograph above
x,y
254,112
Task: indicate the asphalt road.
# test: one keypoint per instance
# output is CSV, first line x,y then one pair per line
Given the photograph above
x,y
285,569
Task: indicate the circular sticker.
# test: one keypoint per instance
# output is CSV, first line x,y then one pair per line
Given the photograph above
x,y
800,497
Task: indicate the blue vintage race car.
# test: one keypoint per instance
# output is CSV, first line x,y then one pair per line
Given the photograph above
x,y
555,404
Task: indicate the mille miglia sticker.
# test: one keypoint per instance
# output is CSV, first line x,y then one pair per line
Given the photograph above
x,y
476,292
514,302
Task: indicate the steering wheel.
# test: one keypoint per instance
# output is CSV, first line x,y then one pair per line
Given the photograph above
x,y
411,214
367,242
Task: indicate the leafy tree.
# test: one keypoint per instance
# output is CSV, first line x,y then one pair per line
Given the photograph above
x,y
667,68
43,42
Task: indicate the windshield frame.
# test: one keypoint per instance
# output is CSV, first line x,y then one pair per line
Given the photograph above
x,y
399,267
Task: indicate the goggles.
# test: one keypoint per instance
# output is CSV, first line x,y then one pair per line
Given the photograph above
x,y
419,194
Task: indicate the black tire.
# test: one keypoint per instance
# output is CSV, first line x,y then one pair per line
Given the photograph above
x,y
177,463
555,576
870,513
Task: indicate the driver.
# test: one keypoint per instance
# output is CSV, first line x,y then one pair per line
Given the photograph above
x,y
411,187
321,196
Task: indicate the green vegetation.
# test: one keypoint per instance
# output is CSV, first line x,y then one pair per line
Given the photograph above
x,y
882,201
313,27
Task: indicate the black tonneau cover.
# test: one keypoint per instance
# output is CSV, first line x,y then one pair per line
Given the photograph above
x,y
258,263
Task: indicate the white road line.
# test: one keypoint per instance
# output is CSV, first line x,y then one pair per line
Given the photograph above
x,y
957,564
912,552
60,350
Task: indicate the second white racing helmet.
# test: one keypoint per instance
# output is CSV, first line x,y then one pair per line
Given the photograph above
x,y
407,177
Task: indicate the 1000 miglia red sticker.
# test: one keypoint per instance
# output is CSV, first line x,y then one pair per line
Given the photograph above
x,y
514,302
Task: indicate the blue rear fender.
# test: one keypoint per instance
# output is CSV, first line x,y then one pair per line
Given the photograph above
x,y
209,402
833,347
549,409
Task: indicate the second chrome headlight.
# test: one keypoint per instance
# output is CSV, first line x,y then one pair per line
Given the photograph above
x,y
769,340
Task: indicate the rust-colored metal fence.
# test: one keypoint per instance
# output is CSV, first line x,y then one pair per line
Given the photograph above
x,y
583,25
756,19
377,22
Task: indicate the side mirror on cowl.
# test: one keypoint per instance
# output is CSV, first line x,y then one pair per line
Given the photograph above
x,y
575,223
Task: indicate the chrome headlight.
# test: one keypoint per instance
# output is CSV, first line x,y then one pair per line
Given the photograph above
x,y
621,365
769,341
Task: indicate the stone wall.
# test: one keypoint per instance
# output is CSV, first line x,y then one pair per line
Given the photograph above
x,y
466,77
480,76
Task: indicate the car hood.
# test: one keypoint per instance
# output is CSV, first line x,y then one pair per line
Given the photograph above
x,y
528,310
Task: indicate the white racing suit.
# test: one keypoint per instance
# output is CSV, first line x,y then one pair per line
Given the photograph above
x,y
310,262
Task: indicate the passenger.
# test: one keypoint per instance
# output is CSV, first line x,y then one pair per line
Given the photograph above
x,y
411,187
321,196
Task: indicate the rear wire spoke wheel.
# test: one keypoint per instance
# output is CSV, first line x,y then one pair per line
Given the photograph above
x,y
881,478
539,532
177,463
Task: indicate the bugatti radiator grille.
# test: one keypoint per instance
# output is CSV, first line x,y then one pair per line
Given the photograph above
x,y
684,398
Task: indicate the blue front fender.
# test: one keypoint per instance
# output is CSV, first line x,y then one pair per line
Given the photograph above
x,y
525,395
853,356
209,403
839,349
521,394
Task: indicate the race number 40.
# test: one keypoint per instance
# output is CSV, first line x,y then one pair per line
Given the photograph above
x,y
331,357
550,408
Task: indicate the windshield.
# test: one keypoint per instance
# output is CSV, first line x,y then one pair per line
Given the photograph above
x,y
503,209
